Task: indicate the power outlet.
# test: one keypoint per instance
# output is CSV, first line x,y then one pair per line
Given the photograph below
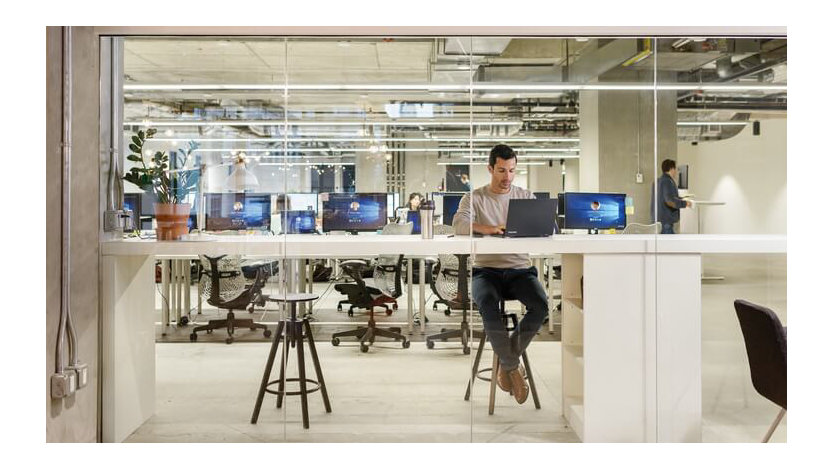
x,y
80,375
63,385
639,177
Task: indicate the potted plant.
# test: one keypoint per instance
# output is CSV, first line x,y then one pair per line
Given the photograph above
x,y
171,188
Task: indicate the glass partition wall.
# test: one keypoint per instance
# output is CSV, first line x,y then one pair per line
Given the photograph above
x,y
306,138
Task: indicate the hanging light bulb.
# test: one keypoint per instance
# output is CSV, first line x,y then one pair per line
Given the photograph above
x,y
241,179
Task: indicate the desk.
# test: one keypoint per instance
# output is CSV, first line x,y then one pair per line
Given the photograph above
x,y
640,302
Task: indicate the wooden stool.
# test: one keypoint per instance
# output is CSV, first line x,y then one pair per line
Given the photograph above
x,y
493,377
294,331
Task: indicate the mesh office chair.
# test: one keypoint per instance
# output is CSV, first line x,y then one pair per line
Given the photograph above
x,y
766,341
355,268
642,229
387,288
451,285
224,285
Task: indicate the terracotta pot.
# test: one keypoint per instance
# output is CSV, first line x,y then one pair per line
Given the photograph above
x,y
171,220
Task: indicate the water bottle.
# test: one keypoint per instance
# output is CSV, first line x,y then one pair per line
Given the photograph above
x,y
427,218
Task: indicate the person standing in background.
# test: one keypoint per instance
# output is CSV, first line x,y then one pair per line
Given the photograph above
x,y
669,203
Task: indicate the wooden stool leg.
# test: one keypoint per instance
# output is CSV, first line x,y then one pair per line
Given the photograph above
x,y
302,376
267,371
285,354
317,365
475,368
530,379
492,382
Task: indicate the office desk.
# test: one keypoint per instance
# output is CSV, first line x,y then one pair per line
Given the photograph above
x,y
631,329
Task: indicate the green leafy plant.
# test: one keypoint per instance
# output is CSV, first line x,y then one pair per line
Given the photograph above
x,y
170,187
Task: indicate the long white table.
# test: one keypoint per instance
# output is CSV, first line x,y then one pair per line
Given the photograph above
x,y
637,299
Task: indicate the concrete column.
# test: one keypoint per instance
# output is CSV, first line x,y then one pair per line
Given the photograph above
x,y
370,172
617,140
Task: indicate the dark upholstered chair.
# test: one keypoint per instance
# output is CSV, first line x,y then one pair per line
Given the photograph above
x,y
767,353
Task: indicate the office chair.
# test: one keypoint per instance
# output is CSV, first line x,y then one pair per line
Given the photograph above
x,y
387,288
357,267
642,229
451,285
224,285
767,353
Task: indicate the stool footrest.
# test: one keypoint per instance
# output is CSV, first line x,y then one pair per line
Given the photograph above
x,y
315,388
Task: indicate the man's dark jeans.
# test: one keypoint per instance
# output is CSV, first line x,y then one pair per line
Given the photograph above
x,y
667,229
489,287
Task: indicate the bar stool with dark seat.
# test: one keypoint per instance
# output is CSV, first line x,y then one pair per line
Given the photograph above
x,y
294,331
511,320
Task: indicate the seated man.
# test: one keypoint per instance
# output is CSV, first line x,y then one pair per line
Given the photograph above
x,y
495,277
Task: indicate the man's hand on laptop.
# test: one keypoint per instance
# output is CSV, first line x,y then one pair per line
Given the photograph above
x,y
489,229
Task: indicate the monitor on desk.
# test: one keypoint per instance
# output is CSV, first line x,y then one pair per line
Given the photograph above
x,y
683,176
451,202
298,221
302,202
353,212
542,195
414,218
393,202
133,203
237,211
594,211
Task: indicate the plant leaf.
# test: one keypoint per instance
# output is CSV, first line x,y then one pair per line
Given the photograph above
x,y
142,135
134,158
135,148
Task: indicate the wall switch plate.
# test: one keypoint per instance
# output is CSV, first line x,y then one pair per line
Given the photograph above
x,y
639,177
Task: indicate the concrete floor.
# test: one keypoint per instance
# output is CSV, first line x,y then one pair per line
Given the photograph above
x,y
206,390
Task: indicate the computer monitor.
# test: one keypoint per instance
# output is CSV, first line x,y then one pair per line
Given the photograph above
x,y
133,203
299,221
302,202
353,212
542,195
393,202
595,211
237,211
560,206
451,202
683,176
414,218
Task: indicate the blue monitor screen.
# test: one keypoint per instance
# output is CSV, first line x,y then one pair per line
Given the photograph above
x,y
594,211
451,202
133,202
414,218
354,212
237,211
299,221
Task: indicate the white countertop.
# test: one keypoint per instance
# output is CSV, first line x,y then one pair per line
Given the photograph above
x,y
343,246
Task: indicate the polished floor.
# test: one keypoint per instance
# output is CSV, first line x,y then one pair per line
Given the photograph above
x,y
206,390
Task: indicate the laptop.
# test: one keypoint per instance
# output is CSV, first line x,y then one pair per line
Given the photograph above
x,y
531,218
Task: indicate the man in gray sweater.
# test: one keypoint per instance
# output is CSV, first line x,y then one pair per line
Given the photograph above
x,y
496,277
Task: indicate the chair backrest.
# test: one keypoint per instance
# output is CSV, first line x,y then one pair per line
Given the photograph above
x,y
646,229
443,230
388,268
767,350
398,229
222,279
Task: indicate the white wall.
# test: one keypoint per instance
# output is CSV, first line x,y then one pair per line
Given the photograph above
x,y
748,173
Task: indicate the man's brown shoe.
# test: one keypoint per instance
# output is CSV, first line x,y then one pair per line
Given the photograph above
x,y
503,379
518,384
